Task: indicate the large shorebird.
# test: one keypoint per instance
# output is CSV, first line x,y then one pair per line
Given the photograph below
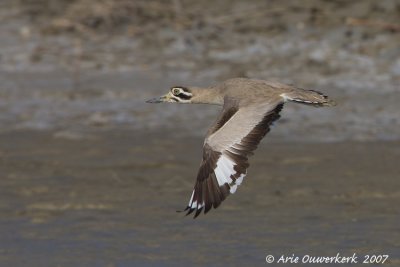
x,y
249,108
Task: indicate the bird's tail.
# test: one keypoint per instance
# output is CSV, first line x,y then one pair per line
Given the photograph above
x,y
308,97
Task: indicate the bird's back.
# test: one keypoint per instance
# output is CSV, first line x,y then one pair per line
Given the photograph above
x,y
252,91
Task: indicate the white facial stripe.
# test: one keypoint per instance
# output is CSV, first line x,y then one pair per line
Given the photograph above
x,y
175,98
186,93
180,100
180,90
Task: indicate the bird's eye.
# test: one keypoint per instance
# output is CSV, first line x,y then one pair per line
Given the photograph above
x,y
176,91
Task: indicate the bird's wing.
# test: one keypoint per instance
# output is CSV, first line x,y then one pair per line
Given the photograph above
x,y
230,141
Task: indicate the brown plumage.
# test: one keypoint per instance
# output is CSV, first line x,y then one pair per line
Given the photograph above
x,y
249,108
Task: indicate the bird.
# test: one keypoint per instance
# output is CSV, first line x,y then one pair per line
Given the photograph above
x,y
249,108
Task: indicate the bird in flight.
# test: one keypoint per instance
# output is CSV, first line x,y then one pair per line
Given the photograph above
x,y
249,107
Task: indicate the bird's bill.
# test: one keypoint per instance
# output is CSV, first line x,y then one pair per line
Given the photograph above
x,y
164,98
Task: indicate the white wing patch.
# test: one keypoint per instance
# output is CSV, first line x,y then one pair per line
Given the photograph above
x,y
231,141
223,172
237,182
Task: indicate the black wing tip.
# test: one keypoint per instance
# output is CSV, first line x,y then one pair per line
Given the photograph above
x,y
198,211
189,211
187,207
207,208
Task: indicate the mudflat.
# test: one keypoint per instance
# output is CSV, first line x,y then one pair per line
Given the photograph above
x,y
110,199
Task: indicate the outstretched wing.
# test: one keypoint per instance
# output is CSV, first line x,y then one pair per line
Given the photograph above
x,y
231,140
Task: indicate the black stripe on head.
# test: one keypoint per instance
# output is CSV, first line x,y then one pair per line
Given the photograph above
x,y
181,92
185,96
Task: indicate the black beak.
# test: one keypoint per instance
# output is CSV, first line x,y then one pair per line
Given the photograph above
x,y
156,100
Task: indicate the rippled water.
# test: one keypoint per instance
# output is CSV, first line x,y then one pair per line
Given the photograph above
x,y
111,201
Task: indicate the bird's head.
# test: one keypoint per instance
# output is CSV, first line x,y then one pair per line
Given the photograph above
x,y
177,94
